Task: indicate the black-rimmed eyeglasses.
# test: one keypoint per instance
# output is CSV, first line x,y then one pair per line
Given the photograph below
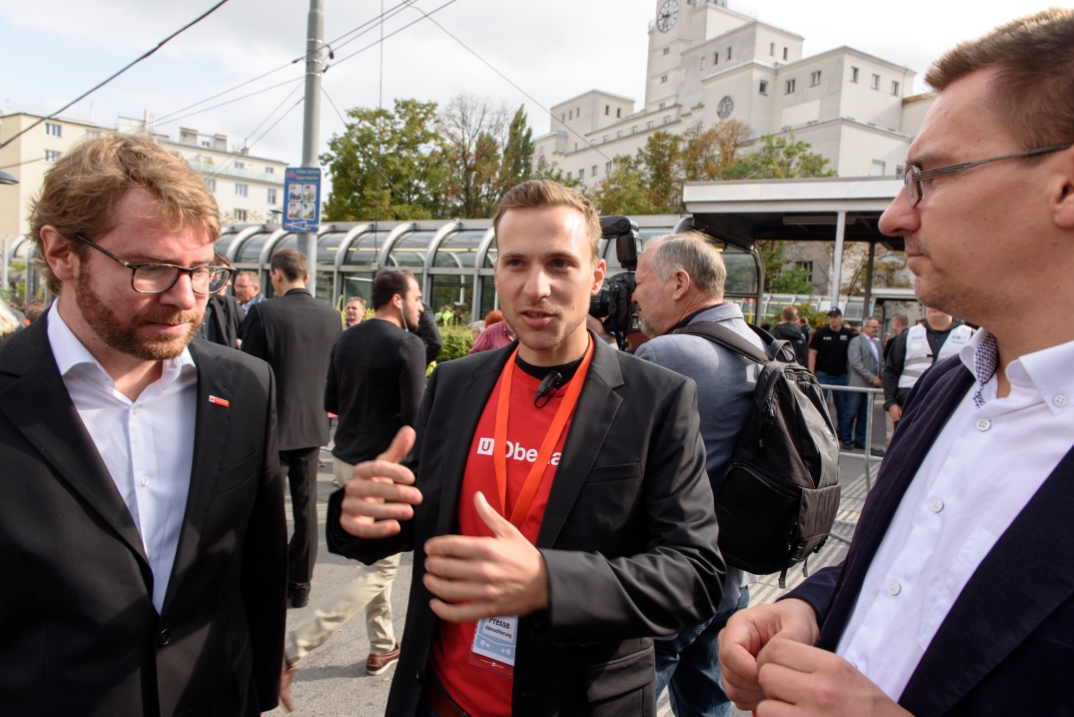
x,y
915,176
156,278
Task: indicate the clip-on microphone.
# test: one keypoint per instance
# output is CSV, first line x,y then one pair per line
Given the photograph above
x,y
548,388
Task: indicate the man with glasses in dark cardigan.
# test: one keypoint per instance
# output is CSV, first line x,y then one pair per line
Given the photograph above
x,y
142,535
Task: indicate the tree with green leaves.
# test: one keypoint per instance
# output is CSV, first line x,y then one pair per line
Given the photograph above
x,y
625,189
782,157
517,164
387,164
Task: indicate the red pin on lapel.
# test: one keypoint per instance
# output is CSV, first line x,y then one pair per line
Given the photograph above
x,y
219,401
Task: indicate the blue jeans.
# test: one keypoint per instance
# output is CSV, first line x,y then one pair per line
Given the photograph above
x,y
688,664
844,415
858,409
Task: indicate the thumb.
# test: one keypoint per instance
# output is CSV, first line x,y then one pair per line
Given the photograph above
x,y
499,526
401,445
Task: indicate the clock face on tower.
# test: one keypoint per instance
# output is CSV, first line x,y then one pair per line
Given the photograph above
x,y
669,13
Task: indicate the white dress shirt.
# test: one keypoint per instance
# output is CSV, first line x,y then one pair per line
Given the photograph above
x,y
147,445
985,466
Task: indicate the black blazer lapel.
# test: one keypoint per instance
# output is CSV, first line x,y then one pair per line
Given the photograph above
x,y
38,405
210,451
597,406
996,611
904,457
468,412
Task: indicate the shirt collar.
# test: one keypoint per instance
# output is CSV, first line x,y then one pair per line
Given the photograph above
x,y
716,312
69,352
1046,371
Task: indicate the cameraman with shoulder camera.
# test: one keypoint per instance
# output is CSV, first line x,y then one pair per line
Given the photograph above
x,y
680,280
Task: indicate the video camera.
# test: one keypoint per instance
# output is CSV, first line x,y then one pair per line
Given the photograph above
x,y
614,305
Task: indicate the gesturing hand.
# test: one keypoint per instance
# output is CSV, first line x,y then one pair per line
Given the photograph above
x,y
748,631
379,494
804,681
476,577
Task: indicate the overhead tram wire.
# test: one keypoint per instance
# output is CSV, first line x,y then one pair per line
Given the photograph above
x,y
509,81
232,156
390,13
84,95
427,15
167,119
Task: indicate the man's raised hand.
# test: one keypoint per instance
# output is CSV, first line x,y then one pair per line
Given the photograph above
x,y
380,493
478,577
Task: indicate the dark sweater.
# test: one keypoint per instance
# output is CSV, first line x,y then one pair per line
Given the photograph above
x,y
375,383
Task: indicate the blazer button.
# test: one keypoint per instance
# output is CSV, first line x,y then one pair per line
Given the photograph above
x,y
164,638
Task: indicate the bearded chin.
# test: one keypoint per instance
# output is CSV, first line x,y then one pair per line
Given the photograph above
x,y
125,336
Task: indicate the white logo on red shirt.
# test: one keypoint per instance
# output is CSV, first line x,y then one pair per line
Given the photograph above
x,y
515,451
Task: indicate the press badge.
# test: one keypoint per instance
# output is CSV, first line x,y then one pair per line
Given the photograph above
x,y
495,643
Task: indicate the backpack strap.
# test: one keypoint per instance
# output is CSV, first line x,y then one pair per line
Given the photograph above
x,y
781,349
728,338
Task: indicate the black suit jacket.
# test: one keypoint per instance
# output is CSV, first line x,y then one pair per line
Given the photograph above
x,y
628,535
78,631
295,333
1007,646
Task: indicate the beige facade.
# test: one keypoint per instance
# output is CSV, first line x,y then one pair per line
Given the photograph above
x,y
247,188
709,61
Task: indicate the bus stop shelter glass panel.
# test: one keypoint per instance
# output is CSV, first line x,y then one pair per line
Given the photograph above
x,y
327,246
409,253
363,250
490,257
489,300
251,248
459,251
450,291
358,283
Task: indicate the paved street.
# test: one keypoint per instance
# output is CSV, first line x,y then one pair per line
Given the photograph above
x,y
332,682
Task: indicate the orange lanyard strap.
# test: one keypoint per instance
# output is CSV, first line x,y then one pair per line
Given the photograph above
x,y
544,455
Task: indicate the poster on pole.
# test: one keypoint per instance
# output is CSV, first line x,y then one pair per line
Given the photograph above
x,y
302,199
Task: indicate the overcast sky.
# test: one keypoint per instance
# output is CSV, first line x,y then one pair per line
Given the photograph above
x,y
552,49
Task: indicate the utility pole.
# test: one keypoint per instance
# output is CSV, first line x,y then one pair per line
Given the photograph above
x,y
312,119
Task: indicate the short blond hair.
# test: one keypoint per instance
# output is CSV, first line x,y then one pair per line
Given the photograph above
x,y
82,189
1034,86
545,194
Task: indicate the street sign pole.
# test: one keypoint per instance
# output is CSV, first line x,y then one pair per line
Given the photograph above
x,y
311,122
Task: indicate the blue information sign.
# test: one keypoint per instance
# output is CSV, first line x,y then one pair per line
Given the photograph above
x,y
302,199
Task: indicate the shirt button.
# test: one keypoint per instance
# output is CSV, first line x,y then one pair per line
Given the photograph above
x,y
936,506
1060,400
984,424
134,410
145,480
164,637
894,588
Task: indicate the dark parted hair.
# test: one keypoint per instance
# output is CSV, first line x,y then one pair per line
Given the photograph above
x,y
388,283
291,263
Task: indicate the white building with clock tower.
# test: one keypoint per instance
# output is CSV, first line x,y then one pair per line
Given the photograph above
x,y
710,60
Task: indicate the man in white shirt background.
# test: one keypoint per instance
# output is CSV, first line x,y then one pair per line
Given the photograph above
x,y
143,542
957,594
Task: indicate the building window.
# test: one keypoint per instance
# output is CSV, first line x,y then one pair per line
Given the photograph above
x,y
570,115
649,124
667,119
270,170
634,129
764,87
877,168
876,82
562,117
53,130
581,174
807,265
240,165
51,155
618,112
784,53
900,171
575,146
662,105
663,79
715,58
607,110
772,49
619,134
271,196
607,167
577,111
241,189
729,53
93,133
211,184
790,87
667,50
240,215
704,59
569,175
853,74
206,143
607,137
594,172
895,88
814,79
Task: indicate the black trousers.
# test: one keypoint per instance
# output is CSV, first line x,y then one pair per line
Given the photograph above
x,y
300,467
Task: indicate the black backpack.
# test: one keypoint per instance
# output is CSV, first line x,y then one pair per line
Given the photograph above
x,y
779,494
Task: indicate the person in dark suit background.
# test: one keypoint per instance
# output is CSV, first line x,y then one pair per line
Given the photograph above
x,y
614,541
294,333
223,320
957,594
143,539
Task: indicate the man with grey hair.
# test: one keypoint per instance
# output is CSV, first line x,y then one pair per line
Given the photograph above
x,y
680,280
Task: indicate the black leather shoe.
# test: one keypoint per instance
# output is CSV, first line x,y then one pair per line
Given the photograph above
x,y
298,596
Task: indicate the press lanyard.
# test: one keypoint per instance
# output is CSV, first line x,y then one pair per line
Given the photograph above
x,y
544,455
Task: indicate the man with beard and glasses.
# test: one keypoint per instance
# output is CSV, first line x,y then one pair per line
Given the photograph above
x,y
143,541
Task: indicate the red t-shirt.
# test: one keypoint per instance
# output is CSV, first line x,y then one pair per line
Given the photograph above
x,y
478,691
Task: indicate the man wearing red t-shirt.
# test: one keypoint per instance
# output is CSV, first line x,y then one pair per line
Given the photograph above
x,y
555,498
